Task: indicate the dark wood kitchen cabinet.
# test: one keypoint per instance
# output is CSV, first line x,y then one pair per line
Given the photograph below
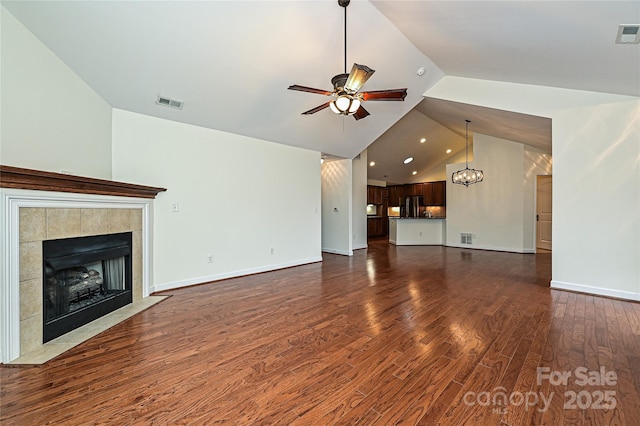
x,y
427,194
375,227
440,193
374,195
414,189
433,193
394,198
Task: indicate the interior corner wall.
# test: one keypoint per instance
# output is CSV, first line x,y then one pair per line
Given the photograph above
x,y
251,205
337,198
596,178
359,200
492,211
51,119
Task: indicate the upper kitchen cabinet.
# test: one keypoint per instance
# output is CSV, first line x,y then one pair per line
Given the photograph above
x,y
374,195
427,194
413,189
439,193
433,193
394,196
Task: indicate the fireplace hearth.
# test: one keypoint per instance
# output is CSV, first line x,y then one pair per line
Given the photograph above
x,y
84,278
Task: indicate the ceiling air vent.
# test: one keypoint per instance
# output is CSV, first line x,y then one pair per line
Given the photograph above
x,y
172,103
628,34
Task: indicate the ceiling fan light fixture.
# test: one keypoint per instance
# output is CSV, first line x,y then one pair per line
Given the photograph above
x,y
347,98
355,104
357,77
345,104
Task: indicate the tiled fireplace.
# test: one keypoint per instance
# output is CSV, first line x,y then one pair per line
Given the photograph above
x,y
41,224
32,215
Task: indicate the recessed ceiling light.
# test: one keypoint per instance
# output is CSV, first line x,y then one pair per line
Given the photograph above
x,y
449,151
414,173
408,160
423,140
373,163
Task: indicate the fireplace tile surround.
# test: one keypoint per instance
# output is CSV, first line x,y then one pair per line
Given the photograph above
x,y
33,215
39,224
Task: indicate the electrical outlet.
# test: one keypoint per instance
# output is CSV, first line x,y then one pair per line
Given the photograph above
x,y
210,258
273,251
175,207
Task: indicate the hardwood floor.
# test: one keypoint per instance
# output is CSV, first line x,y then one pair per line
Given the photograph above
x,y
393,335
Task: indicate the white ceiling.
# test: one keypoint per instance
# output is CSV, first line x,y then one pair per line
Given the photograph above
x,y
231,61
442,124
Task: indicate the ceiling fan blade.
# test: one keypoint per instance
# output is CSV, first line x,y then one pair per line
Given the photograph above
x,y
385,95
357,77
360,113
309,90
316,109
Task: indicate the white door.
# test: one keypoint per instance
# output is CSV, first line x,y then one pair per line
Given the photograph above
x,y
543,213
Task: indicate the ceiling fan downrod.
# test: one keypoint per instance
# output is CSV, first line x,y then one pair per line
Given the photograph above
x,y
345,3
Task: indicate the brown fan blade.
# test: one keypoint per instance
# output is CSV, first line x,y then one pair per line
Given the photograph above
x,y
309,90
385,95
316,109
360,113
357,77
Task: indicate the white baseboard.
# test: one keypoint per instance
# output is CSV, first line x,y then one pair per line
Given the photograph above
x,y
342,252
598,291
360,247
490,248
233,274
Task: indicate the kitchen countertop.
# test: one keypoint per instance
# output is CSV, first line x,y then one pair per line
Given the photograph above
x,y
416,218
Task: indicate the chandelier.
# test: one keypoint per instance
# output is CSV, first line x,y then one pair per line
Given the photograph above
x,y
467,176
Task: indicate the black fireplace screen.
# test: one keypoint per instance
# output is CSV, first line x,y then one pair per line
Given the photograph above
x,y
84,279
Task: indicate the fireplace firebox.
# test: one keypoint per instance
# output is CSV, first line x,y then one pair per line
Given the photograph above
x,y
84,278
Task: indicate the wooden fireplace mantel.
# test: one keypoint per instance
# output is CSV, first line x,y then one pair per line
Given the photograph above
x,y
16,177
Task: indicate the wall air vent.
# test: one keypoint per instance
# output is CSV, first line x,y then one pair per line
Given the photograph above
x,y
172,103
628,34
466,238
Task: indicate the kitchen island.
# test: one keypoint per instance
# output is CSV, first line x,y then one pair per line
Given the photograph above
x,y
409,231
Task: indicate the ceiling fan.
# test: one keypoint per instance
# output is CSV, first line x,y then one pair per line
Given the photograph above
x,y
347,98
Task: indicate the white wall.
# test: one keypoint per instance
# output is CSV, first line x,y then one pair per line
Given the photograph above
x,y
596,178
491,210
238,198
51,120
359,203
596,199
337,205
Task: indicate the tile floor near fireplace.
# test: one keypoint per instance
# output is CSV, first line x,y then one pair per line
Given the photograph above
x,y
56,347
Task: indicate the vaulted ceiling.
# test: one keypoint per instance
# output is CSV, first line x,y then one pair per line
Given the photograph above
x,y
232,61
